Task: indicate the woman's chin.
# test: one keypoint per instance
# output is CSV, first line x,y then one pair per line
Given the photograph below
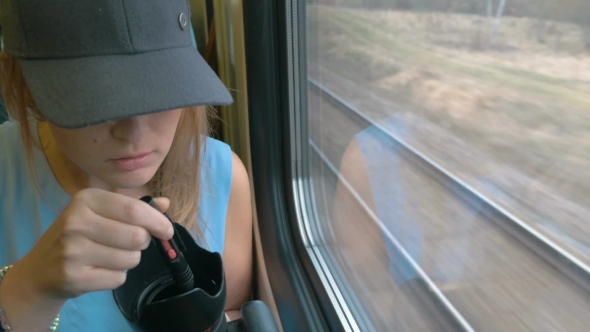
x,y
131,180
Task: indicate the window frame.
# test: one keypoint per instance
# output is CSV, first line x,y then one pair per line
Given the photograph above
x,y
299,303
308,286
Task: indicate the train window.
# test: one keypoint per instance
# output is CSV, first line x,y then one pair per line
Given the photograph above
x,y
441,151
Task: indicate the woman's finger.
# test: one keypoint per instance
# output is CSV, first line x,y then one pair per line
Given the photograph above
x,y
116,234
129,210
112,258
99,279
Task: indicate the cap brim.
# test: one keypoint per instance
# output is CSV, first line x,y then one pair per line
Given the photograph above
x,y
80,92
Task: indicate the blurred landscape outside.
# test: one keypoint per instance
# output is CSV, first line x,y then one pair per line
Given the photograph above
x,y
495,91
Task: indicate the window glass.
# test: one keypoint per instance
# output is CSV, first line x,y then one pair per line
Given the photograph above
x,y
449,145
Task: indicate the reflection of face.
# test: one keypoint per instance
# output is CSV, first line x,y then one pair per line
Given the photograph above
x,y
124,154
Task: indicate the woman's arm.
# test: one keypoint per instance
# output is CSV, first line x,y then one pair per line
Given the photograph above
x,y
358,237
237,254
24,307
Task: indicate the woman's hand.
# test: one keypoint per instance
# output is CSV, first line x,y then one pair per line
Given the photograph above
x,y
92,244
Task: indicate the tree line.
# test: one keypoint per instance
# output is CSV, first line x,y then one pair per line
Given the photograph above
x,y
571,11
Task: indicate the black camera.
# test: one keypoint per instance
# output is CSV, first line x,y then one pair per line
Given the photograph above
x,y
179,286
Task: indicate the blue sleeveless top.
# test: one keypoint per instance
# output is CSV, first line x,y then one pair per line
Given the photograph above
x,y
24,217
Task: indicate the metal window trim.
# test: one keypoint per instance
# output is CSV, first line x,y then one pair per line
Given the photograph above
x,y
305,207
297,301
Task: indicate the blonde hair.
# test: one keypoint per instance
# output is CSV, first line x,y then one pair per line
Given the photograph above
x,y
178,178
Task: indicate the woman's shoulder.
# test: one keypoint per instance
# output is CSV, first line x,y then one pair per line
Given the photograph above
x,y
10,151
11,139
217,158
9,134
216,170
215,147
215,188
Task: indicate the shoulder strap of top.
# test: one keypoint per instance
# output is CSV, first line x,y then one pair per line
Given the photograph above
x,y
216,179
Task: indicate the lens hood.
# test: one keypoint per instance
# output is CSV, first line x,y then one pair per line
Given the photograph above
x,y
150,298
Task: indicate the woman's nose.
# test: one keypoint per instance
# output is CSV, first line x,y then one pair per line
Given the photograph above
x,y
129,129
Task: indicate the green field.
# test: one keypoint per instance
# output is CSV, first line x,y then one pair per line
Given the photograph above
x,y
520,96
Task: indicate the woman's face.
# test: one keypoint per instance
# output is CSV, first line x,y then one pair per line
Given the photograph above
x,y
124,154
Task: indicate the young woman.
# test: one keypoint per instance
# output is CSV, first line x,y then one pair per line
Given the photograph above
x,y
108,99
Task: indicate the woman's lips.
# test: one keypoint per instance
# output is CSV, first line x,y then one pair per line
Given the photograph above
x,y
132,163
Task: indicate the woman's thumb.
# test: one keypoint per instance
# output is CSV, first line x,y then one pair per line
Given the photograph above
x,y
163,203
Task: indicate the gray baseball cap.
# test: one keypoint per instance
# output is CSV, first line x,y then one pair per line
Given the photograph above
x,y
90,61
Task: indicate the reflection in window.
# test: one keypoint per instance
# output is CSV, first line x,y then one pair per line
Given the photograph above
x,y
450,143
